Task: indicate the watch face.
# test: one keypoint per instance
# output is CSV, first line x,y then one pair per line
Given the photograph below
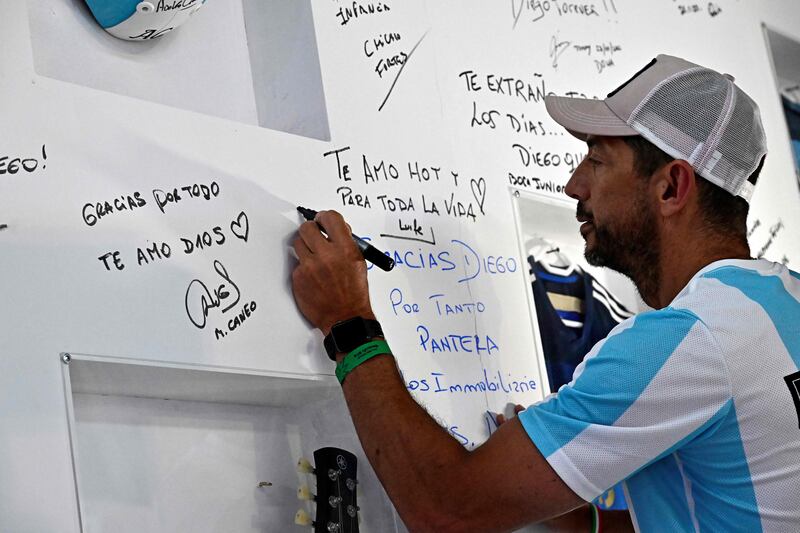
x,y
136,20
350,334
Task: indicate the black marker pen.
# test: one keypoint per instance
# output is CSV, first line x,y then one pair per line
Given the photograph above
x,y
370,253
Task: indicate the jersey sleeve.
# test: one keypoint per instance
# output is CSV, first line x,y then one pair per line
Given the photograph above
x,y
658,380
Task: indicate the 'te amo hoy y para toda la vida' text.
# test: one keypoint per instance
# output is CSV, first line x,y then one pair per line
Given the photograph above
x,y
469,204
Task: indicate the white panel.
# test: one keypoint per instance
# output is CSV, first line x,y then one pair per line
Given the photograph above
x,y
112,122
165,466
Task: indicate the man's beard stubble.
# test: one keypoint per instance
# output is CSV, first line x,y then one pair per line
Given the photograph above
x,y
629,245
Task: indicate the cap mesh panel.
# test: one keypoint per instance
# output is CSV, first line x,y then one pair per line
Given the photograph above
x,y
694,116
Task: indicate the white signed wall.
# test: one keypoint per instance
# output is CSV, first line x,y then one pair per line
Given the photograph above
x,y
147,195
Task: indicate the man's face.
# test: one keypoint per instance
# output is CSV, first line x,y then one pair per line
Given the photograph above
x,y
618,222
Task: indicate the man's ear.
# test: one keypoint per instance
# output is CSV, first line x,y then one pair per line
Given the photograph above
x,y
675,183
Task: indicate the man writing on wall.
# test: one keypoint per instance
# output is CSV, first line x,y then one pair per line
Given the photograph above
x,y
687,403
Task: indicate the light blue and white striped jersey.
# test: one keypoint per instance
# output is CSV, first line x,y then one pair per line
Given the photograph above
x,y
694,405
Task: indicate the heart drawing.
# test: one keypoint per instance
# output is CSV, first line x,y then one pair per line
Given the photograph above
x,y
241,226
479,192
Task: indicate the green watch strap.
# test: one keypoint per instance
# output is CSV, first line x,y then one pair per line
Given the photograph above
x,y
359,355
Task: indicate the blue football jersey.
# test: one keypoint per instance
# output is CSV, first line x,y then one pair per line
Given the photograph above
x,y
696,406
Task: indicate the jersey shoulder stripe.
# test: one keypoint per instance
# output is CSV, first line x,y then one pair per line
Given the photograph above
x,y
771,294
656,333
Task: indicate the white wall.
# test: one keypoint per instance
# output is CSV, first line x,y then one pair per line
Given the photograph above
x,y
58,297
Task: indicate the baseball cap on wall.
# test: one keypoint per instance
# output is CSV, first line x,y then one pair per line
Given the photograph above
x,y
136,20
688,111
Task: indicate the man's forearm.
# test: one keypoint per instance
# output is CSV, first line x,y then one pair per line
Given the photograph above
x,y
416,460
433,481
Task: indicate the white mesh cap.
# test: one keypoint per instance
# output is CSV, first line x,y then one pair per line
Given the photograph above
x,y
688,111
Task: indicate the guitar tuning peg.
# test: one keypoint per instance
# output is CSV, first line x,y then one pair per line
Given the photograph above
x,y
304,466
302,518
351,484
304,493
352,511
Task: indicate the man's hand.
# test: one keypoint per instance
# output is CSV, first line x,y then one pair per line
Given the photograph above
x,y
501,418
330,283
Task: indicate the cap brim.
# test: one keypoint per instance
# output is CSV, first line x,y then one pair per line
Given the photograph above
x,y
583,117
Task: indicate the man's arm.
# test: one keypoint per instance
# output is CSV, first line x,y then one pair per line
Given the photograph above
x,y
433,481
435,484
576,520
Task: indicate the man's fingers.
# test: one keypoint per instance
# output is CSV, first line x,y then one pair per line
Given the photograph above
x,y
301,249
312,236
334,225
501,418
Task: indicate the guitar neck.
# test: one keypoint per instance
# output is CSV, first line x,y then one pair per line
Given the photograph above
x,y
336,498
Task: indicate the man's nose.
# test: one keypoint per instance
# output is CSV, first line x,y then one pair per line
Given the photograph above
x,y
577,186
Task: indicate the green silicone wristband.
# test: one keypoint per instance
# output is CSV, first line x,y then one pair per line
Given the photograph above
x,y
359,355
595,518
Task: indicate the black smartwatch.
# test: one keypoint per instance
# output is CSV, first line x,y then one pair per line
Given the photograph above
x,y
347,335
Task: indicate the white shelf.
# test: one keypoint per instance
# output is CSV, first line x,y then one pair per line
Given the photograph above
x,y
152,379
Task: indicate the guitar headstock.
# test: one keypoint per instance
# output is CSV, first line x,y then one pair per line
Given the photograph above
x,y
336,506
